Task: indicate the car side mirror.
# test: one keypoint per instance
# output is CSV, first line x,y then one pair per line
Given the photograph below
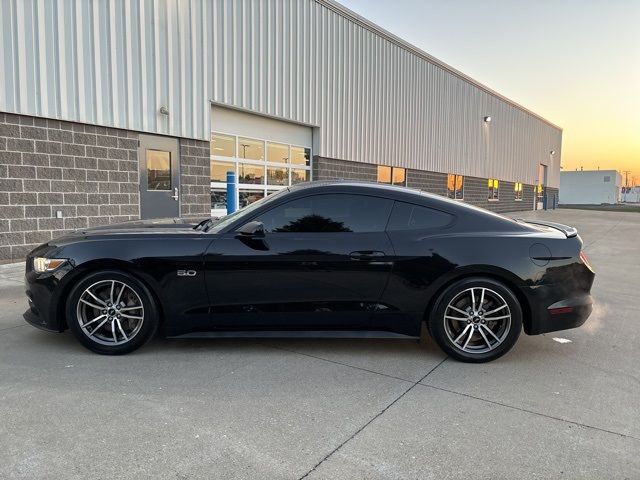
x,y
254,229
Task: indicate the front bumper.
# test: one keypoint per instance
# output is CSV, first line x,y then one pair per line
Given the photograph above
x,y
43,292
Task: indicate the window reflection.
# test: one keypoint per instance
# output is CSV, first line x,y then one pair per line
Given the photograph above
x,y
329,213
277,152
384,174
277,176
250,173
158,170
455,186
518,190
219,170
249,158
298,176
223,145
301,156
250,149
399,176
247,197
493,185
392,175
218,199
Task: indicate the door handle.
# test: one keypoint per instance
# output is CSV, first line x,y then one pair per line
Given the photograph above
x,y
175,194
366,254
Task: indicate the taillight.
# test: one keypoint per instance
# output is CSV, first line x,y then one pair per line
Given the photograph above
x,y
585,260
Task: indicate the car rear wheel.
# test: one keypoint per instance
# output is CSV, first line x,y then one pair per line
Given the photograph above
x,y
476,320
111,313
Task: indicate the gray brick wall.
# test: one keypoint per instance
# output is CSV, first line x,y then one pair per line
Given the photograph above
x,y
475,189
476,192
330,169
195,175
431,182
89,173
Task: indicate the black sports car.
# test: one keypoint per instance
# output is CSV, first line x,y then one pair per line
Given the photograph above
x,y
332,258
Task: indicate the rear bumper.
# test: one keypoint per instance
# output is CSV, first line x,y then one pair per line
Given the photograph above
x,y
551,316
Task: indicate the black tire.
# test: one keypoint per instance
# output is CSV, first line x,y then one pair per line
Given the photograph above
x,y
481,339
97,339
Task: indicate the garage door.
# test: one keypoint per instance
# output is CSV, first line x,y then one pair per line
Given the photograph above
x,y
266,155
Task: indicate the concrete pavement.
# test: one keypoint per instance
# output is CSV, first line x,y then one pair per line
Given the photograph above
x,y
334,408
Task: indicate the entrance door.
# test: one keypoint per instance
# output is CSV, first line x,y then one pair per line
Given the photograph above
x,y
159,177
540,188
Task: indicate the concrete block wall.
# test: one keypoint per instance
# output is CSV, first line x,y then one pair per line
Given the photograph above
x,y
86,172
476,192
331,169
431,182
475,189
195,175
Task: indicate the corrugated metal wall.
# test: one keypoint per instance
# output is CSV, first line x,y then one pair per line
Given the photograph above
x,y
109,62
114,62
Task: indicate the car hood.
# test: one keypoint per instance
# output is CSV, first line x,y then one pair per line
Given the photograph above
x,y
138,225
142,228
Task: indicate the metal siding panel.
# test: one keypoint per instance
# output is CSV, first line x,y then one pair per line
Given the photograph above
x,y
115,63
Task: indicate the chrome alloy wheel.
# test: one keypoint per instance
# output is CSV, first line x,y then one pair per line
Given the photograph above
x,y
110,312
477,320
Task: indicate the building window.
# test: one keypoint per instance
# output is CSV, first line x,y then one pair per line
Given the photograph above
x,y
253,174
158,170
455,186
250,149
300,156
262,167
299,176
219,170
392,175
607,178
277,153
493,189
518,190
223,145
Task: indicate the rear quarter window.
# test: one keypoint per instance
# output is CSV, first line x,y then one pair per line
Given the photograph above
x,y
406,216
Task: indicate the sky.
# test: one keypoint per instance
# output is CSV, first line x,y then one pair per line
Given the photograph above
x,y
574,62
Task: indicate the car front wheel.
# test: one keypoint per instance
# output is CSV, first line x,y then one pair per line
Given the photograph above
x,y
111,313
476,320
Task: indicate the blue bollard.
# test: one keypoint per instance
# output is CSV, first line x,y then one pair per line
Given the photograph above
x,y
232,195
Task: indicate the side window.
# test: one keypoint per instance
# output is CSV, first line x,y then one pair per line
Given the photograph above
x,y
406,216
329,213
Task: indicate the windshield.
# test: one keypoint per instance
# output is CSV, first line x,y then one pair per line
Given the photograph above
x,y
232,217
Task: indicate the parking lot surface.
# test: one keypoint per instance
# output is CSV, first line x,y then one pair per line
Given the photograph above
x,y
327,409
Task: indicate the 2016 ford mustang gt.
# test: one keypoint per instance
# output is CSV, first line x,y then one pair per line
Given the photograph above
x,y
332,258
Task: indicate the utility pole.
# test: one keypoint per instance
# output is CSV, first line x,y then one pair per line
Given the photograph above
x,y
626,177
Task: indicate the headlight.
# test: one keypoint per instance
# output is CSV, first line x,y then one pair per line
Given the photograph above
x,y
41,264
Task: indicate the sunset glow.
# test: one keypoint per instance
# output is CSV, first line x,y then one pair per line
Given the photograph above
x,y
576,63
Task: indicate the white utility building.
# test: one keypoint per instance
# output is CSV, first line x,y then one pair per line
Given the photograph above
x,y
590,187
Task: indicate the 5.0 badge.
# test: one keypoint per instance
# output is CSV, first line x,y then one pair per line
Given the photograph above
x,y
186,273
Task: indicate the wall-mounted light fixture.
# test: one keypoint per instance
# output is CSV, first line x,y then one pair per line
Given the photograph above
x,y
164,110
487,119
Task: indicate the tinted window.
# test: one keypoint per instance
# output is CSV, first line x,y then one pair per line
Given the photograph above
x,y
329,213
406,216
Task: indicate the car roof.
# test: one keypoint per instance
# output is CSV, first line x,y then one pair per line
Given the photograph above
x,y
407,194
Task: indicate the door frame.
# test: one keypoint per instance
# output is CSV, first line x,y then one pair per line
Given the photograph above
x,y
171,144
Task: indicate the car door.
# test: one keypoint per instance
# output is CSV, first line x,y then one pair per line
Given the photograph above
x,y
322,263
418,234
